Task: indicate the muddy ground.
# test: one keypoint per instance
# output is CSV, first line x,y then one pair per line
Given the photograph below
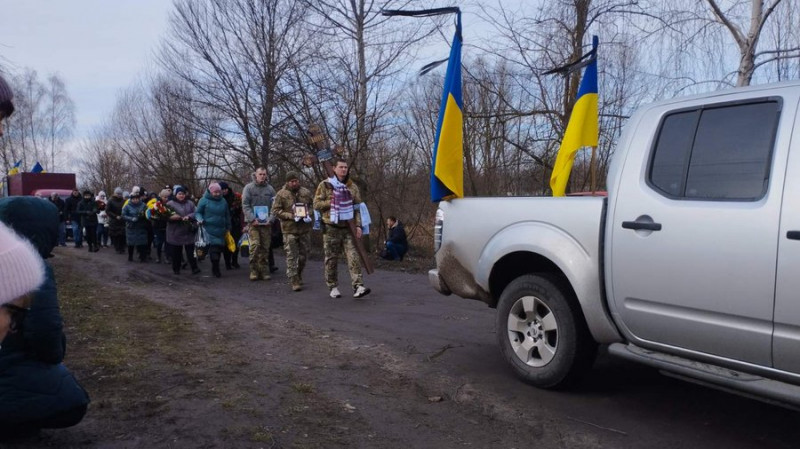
x,y
197,362
193,361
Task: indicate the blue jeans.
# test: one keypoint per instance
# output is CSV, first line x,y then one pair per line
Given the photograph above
x,y
62,233
102,235
395,251
77,232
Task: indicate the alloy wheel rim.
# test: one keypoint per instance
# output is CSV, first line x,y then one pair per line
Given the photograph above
x,y
532,331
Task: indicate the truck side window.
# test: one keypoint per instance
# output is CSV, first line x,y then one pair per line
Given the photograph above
x,y
716,153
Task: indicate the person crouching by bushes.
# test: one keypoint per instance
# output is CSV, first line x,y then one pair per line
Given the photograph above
x,y
396,241
213,214
36,389
135,227
181,231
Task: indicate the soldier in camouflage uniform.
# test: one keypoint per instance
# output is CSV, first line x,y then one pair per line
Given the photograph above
x,y
292,206
337,198
258,193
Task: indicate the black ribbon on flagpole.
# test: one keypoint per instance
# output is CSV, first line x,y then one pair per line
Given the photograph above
x,y
428,13
582,62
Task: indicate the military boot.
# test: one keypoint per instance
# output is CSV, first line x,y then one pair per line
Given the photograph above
x,y
297,284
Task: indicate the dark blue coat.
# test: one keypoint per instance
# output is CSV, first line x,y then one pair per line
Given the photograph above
x,y
34,384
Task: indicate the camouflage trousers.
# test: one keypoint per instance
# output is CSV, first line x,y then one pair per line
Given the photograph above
x,y
260,239
335,242
296,248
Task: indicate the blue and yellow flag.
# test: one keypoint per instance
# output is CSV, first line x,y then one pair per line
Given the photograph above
x,y
37,168
447,167
447,170
15,169
582,128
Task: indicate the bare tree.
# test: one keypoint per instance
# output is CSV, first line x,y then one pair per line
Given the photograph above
x,y
42,123
234,56
366,53
103,167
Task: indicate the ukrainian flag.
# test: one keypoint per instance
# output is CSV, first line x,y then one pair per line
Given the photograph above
x,y
447,173
37,168
582,128
15,169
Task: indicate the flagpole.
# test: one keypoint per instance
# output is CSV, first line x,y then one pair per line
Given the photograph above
x,y
592,168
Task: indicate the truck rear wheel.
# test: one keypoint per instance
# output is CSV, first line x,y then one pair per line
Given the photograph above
x,y
542,332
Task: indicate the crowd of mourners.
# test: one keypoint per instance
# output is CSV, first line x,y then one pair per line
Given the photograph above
x,y
174,227
157,227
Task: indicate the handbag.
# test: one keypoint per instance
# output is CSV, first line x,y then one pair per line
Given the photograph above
x,y
200,243
230,243
244,245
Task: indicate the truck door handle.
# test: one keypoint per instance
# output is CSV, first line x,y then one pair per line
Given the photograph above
x,y
793,235
637,225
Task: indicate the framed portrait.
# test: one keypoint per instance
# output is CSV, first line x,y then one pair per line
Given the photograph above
x,y
300,210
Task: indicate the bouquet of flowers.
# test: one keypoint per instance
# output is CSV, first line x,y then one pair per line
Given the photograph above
x,y
159,211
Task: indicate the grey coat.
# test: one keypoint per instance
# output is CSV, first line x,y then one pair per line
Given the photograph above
x,y
181,232
256,195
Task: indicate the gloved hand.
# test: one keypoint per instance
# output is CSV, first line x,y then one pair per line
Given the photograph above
x,y
135,219
307,219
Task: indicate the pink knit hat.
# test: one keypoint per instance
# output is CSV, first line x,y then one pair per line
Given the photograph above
x,y
21,267
214,188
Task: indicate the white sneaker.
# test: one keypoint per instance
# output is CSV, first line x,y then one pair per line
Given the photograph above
x,y
335,293
361,291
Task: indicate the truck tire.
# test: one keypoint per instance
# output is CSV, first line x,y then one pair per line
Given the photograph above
x,y
542,333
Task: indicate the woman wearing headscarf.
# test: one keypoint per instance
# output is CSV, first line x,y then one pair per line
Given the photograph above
x,y
213,214
102,219
181,232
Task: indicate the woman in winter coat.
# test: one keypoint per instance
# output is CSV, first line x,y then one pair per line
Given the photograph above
x,y
135,227
116,225
102,219
213,214
180,231
36,389
234,201
87,210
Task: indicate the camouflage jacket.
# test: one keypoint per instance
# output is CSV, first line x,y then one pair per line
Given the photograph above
x,y
282,208
322,201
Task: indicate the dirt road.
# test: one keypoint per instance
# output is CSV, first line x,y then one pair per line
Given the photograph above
x,y
193,361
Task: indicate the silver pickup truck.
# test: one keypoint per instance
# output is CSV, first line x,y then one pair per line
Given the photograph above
x,y
691,264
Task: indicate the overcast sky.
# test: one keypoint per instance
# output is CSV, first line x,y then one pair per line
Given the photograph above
x,y
97,46
100,47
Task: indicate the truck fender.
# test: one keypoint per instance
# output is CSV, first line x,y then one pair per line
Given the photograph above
x,y
575,262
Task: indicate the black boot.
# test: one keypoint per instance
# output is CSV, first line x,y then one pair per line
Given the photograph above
x,y
215,268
